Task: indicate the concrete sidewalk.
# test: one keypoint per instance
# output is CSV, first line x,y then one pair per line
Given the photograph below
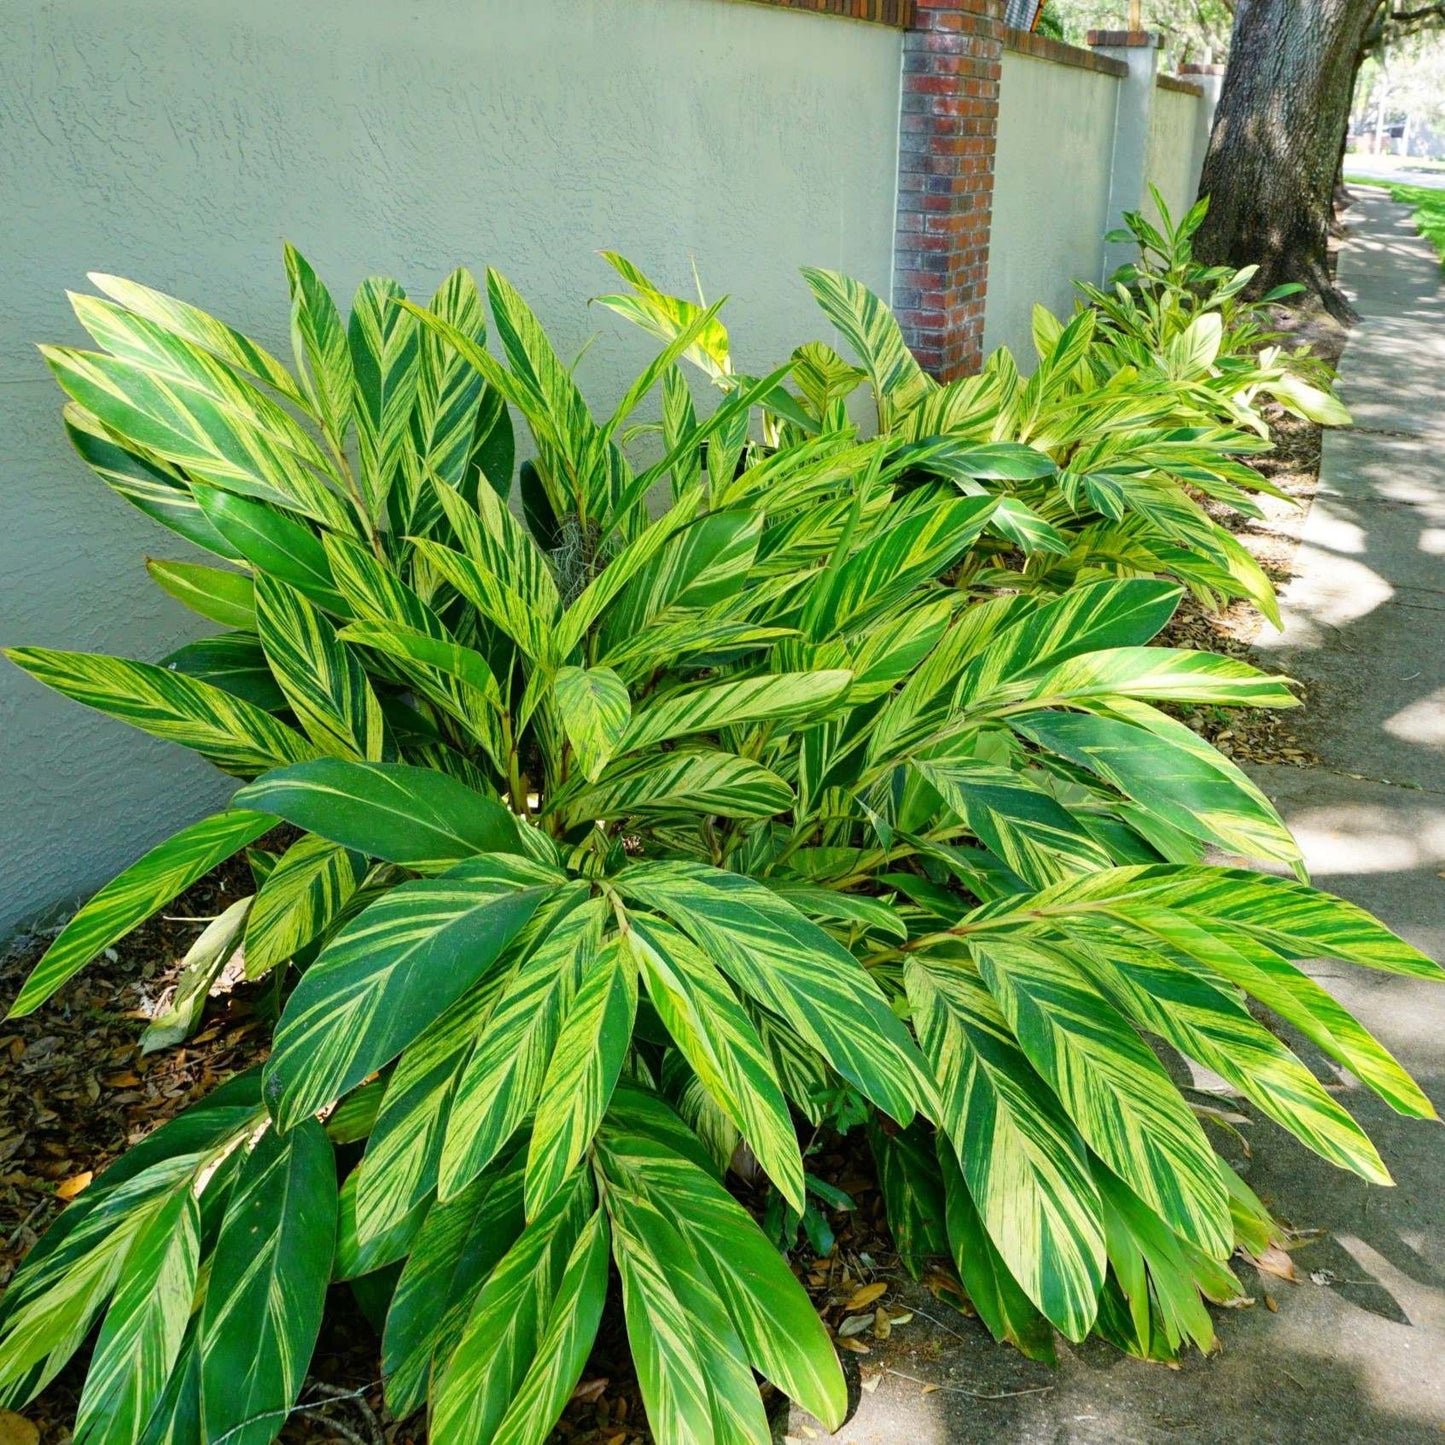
x,y
1357,1353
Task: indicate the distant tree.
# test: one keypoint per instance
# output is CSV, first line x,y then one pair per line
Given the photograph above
x,y
1274,154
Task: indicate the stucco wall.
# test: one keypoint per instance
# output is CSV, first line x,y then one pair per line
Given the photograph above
x,y
178,145
1172,163
1051,193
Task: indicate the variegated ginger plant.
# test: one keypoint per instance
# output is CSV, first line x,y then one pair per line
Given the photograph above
x,y
627,833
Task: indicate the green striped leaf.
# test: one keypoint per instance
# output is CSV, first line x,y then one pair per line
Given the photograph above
x,y
1023,1159
390,972
783,697
53,1302
414,816
398,1173
1091,618
324,683
1211,1026
712,1030
237,737
458,1247
448,394
386,361
145,482
1035,836
594,707
235,662
144,1327
671,1367
201,418
998,1297
194,325
214,592
684,784
1156,673
375,594
792,967
473,1389
268,1281
1200,796
586,1062
562,1350
502,1078
200,968
781,1334
1292,918
318,340
304,894
272,543
1111,1085
873,333
128,900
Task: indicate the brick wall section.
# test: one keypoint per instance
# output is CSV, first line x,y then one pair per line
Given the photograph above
x,y
898,13
951,64
1045,47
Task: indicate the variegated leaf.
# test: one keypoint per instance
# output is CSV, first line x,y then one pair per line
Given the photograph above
x,y
1022,1157
305,892
708,1024
144,1327
267,1285
318,340
237,737
385,348
684,784
594,707
785,697
128,900
586,1062
326,686
503,1076
792,967
216,593
1110,1084
389,973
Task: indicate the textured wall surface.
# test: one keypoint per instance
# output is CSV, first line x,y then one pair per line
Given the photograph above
x,y
1173,164
1050,196
178,145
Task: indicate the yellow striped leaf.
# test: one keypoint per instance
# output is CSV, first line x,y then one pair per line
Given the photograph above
x,y
1111,1086
214,592
1022,1157
594,708
268,1279
237,737
474,1387
711,1028
385,360
502,1078
304,893
591,1047
144,1327
129,899
390,973
326,686
319,342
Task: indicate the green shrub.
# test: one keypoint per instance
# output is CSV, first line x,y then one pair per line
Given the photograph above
x,y
624,834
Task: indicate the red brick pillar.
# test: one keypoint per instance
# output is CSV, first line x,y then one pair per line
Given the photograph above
x,y
952,57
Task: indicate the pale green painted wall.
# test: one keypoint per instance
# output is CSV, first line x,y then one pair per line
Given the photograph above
x,y
178,144
1051,193
1173,164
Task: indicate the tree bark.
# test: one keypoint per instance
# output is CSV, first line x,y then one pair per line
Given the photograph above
x,y
1273,153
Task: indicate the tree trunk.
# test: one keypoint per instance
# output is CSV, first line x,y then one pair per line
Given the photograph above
x,y
1273,154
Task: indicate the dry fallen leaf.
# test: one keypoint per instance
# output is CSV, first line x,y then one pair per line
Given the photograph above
x,y
1271,1304
868,1383
16,1430
590,1389
854,1325
1274,1261
856,1346
862,1298
928,1389
67,1189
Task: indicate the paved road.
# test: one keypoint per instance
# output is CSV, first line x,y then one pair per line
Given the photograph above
x,y
1360,1358
1401,171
